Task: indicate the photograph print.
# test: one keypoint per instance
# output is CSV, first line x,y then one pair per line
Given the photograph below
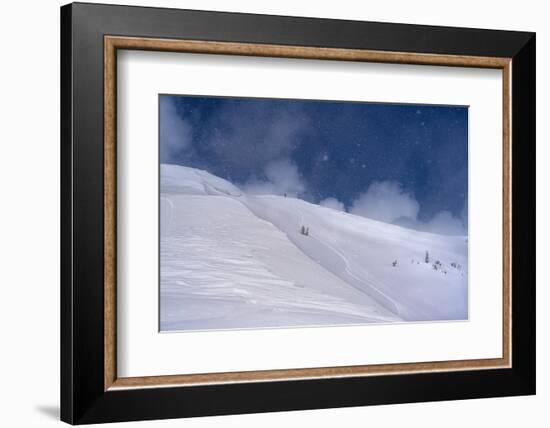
x,y
278,213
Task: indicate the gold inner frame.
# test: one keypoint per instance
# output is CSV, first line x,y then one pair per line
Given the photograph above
x,y
113,43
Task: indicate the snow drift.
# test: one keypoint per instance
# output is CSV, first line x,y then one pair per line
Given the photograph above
x,y
232,260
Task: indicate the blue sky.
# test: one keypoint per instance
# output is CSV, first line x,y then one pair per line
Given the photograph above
x,y
400,163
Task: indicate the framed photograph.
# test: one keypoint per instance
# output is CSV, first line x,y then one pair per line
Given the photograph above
x,y
266,213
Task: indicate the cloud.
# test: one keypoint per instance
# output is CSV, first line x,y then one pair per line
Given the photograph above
x,y
176,133
253,134
333,203
385,201
443,223
281,177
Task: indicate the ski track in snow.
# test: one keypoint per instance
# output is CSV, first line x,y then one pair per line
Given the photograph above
x,y
394,307
375,292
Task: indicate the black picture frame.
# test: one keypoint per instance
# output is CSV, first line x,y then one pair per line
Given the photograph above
x,y
83,396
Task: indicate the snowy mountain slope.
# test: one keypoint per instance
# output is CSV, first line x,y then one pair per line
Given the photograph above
x,y
230,260
222,267
362,251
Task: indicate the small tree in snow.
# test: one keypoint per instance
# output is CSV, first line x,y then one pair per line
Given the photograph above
x,y
394,263
427,258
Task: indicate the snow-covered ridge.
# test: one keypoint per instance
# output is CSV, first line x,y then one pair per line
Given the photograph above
x,y
191,181
231,260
